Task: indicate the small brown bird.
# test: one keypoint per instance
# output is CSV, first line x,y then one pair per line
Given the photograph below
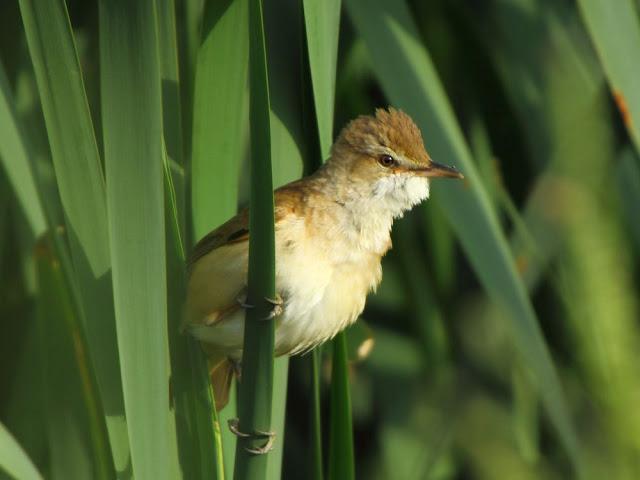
x,y
331,230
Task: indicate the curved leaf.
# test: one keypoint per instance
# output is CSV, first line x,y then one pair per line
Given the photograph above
x,y
615,30
409,79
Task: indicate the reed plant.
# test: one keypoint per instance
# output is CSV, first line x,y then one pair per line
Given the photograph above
x,y
502,341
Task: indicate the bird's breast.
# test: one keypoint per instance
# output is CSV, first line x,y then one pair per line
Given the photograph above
x,y
324,291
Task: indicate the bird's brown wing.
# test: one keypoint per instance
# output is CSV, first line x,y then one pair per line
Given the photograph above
x,y
235,230
218,264
287,200
218,272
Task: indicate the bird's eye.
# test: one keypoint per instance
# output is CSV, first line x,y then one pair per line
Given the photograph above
x,y
386,161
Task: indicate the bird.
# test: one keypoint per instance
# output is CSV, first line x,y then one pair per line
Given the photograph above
x,y
332,229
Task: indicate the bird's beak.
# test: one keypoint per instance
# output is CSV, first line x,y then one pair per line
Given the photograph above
x,y
438,170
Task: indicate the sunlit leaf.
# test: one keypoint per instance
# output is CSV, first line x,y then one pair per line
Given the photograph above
x,y
131,90
13,459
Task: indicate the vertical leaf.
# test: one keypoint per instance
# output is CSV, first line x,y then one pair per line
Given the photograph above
x,y
189,18
171,110
132,121
283,36
257,382
341,461
316,419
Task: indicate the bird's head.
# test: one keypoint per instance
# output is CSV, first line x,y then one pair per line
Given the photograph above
x,y
384,157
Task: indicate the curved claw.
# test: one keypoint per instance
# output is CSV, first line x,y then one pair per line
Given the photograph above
x,y
234,424
267,447
242,301
275,301
277,309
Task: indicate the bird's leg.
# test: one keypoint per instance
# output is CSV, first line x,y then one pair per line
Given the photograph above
x,y
270,437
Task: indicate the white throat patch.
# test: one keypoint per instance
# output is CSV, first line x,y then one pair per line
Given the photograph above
x,y
399,193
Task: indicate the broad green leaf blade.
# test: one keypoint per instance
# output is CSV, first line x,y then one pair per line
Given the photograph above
x,y
341,458
69,126
407,76
78,440
615,31
256,388
14,460
219,113
81,187
132,123
15,159
195,414
322,20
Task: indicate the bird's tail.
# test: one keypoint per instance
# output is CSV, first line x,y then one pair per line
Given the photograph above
x,y
221,371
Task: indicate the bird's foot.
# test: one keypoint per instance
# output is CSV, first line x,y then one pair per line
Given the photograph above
x,y
270,437
242,301
278,307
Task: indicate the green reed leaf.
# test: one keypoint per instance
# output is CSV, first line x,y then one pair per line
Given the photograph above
x,y
132,122
407,76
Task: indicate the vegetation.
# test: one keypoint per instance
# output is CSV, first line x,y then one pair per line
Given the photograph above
x,y
502,342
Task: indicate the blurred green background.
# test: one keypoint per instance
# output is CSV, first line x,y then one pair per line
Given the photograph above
x,y
506,330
